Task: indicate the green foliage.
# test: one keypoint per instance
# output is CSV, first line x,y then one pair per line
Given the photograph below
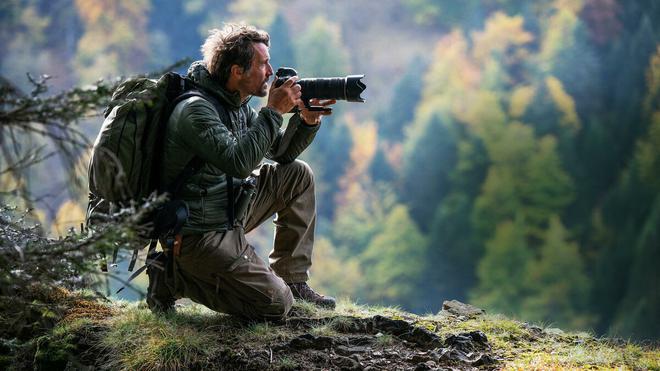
x,y
396,257
400,111
150,342
320,53
502,270
282,53
521,136
426,183
557,283
114,38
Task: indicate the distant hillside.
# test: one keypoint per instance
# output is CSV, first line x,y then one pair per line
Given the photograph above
x,y
121,335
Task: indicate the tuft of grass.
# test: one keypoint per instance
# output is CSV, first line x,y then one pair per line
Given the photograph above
x,y
302,308
341,323
325,330
347,307
384,340
286,363
138,339
263,332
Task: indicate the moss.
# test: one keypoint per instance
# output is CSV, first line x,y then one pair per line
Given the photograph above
x,y
61,346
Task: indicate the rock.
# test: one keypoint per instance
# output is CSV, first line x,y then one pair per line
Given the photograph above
x,y
309,341
345,363
405,331
361,340
347,351
554,331
468,342
425,366
535,332
457,308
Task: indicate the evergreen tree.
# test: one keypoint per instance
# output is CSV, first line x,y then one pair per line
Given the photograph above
x,y
393,263
502,270
639,309
556,282
429,157
401,109
453,249
171,33
282,53
329,155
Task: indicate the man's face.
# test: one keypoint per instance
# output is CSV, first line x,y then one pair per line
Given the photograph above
x,y
255,80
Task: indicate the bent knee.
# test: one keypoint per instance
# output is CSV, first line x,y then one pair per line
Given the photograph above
x,y
302,169
279,306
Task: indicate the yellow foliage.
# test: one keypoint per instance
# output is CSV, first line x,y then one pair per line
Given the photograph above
x,y
69,215
260,13
37,24
450,79
394,155
332,274
115,33
356,177
520,99
648,154
573,6
10,187
483,113
365,141
564,103
558,33
501,33
653,81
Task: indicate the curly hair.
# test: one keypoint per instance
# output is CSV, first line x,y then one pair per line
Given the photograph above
x,y
229,46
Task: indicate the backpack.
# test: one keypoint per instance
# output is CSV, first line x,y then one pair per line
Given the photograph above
x,y
126,157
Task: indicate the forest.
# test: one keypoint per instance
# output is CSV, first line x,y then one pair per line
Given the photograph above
x,y
507,154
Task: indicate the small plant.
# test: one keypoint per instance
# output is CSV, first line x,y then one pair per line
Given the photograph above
x,y
384,340
341,324
325,330
286,363
261,332
302,308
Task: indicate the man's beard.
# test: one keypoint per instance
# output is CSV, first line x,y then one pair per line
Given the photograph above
x,y
263,89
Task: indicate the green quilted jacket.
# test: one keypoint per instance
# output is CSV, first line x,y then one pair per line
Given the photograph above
x,y
235,148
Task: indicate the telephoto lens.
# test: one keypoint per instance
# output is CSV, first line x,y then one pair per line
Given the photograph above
x,y
346,88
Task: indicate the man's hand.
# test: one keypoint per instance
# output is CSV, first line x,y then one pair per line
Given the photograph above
x,y
283,98
313,118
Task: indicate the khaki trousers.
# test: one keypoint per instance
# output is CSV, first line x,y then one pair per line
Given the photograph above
x,y
221,270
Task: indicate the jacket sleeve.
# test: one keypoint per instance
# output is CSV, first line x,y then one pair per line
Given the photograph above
x,y
202,132
290,143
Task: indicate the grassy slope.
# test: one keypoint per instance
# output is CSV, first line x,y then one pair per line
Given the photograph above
x,y
123,335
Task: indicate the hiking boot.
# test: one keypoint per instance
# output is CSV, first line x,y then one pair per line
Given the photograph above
x,y
301,290
159,297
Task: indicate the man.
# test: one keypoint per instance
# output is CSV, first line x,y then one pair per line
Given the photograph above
x,y
216,266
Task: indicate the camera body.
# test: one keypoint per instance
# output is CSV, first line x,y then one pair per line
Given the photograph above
x,y
346,88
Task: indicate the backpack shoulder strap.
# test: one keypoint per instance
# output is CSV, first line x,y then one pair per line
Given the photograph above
x,y
229,180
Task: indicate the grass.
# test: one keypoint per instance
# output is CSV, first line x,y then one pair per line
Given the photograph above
x,y
131,337
287,363
384,340
262,332
138,339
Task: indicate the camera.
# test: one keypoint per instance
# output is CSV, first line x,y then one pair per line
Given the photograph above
x,y
346,88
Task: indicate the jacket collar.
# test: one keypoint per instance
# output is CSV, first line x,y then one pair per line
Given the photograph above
x,y
201,76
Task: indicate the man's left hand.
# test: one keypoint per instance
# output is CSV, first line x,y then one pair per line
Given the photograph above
x,y
313,118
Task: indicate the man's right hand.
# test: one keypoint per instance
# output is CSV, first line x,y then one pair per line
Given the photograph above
x,y
283,98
